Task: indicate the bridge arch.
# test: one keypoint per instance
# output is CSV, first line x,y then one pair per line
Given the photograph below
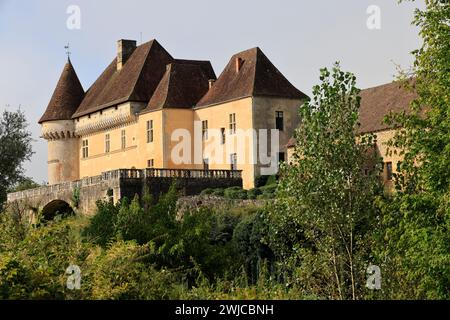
x,y
56,207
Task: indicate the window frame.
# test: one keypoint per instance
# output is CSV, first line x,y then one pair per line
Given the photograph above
x,y
107,143
279,120
85,148
123,139
150,136
222,136
232,123
204,130
389,172
233,161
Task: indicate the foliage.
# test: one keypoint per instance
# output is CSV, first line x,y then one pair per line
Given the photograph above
x,y
101,229
247,236
413,238
323,209
15,148
253,193
218,192
120,272
235,193
207,191
76,197
25,184
263,180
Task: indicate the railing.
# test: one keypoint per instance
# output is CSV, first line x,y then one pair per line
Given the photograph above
x,y
128,174
193,173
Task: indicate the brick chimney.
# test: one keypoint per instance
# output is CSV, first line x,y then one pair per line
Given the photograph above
x,y
211,82
124,50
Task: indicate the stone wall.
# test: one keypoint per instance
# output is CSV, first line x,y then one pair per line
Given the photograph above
x,y
122,183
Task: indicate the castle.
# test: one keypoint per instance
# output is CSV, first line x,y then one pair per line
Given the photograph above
x,y
150,119
128,117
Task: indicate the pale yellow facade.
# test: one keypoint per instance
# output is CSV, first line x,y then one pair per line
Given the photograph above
x,y
119,137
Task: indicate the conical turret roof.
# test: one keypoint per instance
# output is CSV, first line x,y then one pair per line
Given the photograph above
x,y
66,98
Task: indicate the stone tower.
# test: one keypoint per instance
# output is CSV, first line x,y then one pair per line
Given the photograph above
x,y
58,128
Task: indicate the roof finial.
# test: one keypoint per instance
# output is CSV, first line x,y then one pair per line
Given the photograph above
x,y
67,47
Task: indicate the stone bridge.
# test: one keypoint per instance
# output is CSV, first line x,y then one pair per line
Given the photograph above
x,y
81,195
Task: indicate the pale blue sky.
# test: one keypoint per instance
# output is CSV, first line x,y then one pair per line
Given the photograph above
x,y
298,36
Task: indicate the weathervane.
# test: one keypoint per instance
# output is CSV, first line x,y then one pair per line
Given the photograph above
x,y
67,47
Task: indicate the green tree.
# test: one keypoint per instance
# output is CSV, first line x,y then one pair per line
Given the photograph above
x,y
25,184
15,148
414,237
323,210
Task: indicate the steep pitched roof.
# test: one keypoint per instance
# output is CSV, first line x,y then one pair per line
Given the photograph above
x,y
182,86
136,81
66,98
257,76
378,101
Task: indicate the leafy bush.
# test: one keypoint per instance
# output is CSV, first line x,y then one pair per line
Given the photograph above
x,y
271,180
207,191
120,272
267,192
218,192
253,193
264,180
102,225
261,181
235,193
248,236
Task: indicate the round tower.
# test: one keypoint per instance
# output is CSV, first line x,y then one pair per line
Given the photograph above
x,y
58,128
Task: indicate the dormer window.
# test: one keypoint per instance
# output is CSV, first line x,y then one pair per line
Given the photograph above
x,y
239,63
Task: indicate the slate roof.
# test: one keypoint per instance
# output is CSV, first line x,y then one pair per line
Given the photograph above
x,y
136,81
256,77
377,102
182,86
66,97
151,75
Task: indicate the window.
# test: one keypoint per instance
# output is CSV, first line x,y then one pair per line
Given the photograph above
x,y
149,131
107,143
279,120
222,135
388,171
85,149
205,129
233,161
150,163
232,123
123,139
205,164
281,157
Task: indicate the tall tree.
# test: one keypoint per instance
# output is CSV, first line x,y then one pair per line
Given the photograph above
x,y
15,148
414,245
324,205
